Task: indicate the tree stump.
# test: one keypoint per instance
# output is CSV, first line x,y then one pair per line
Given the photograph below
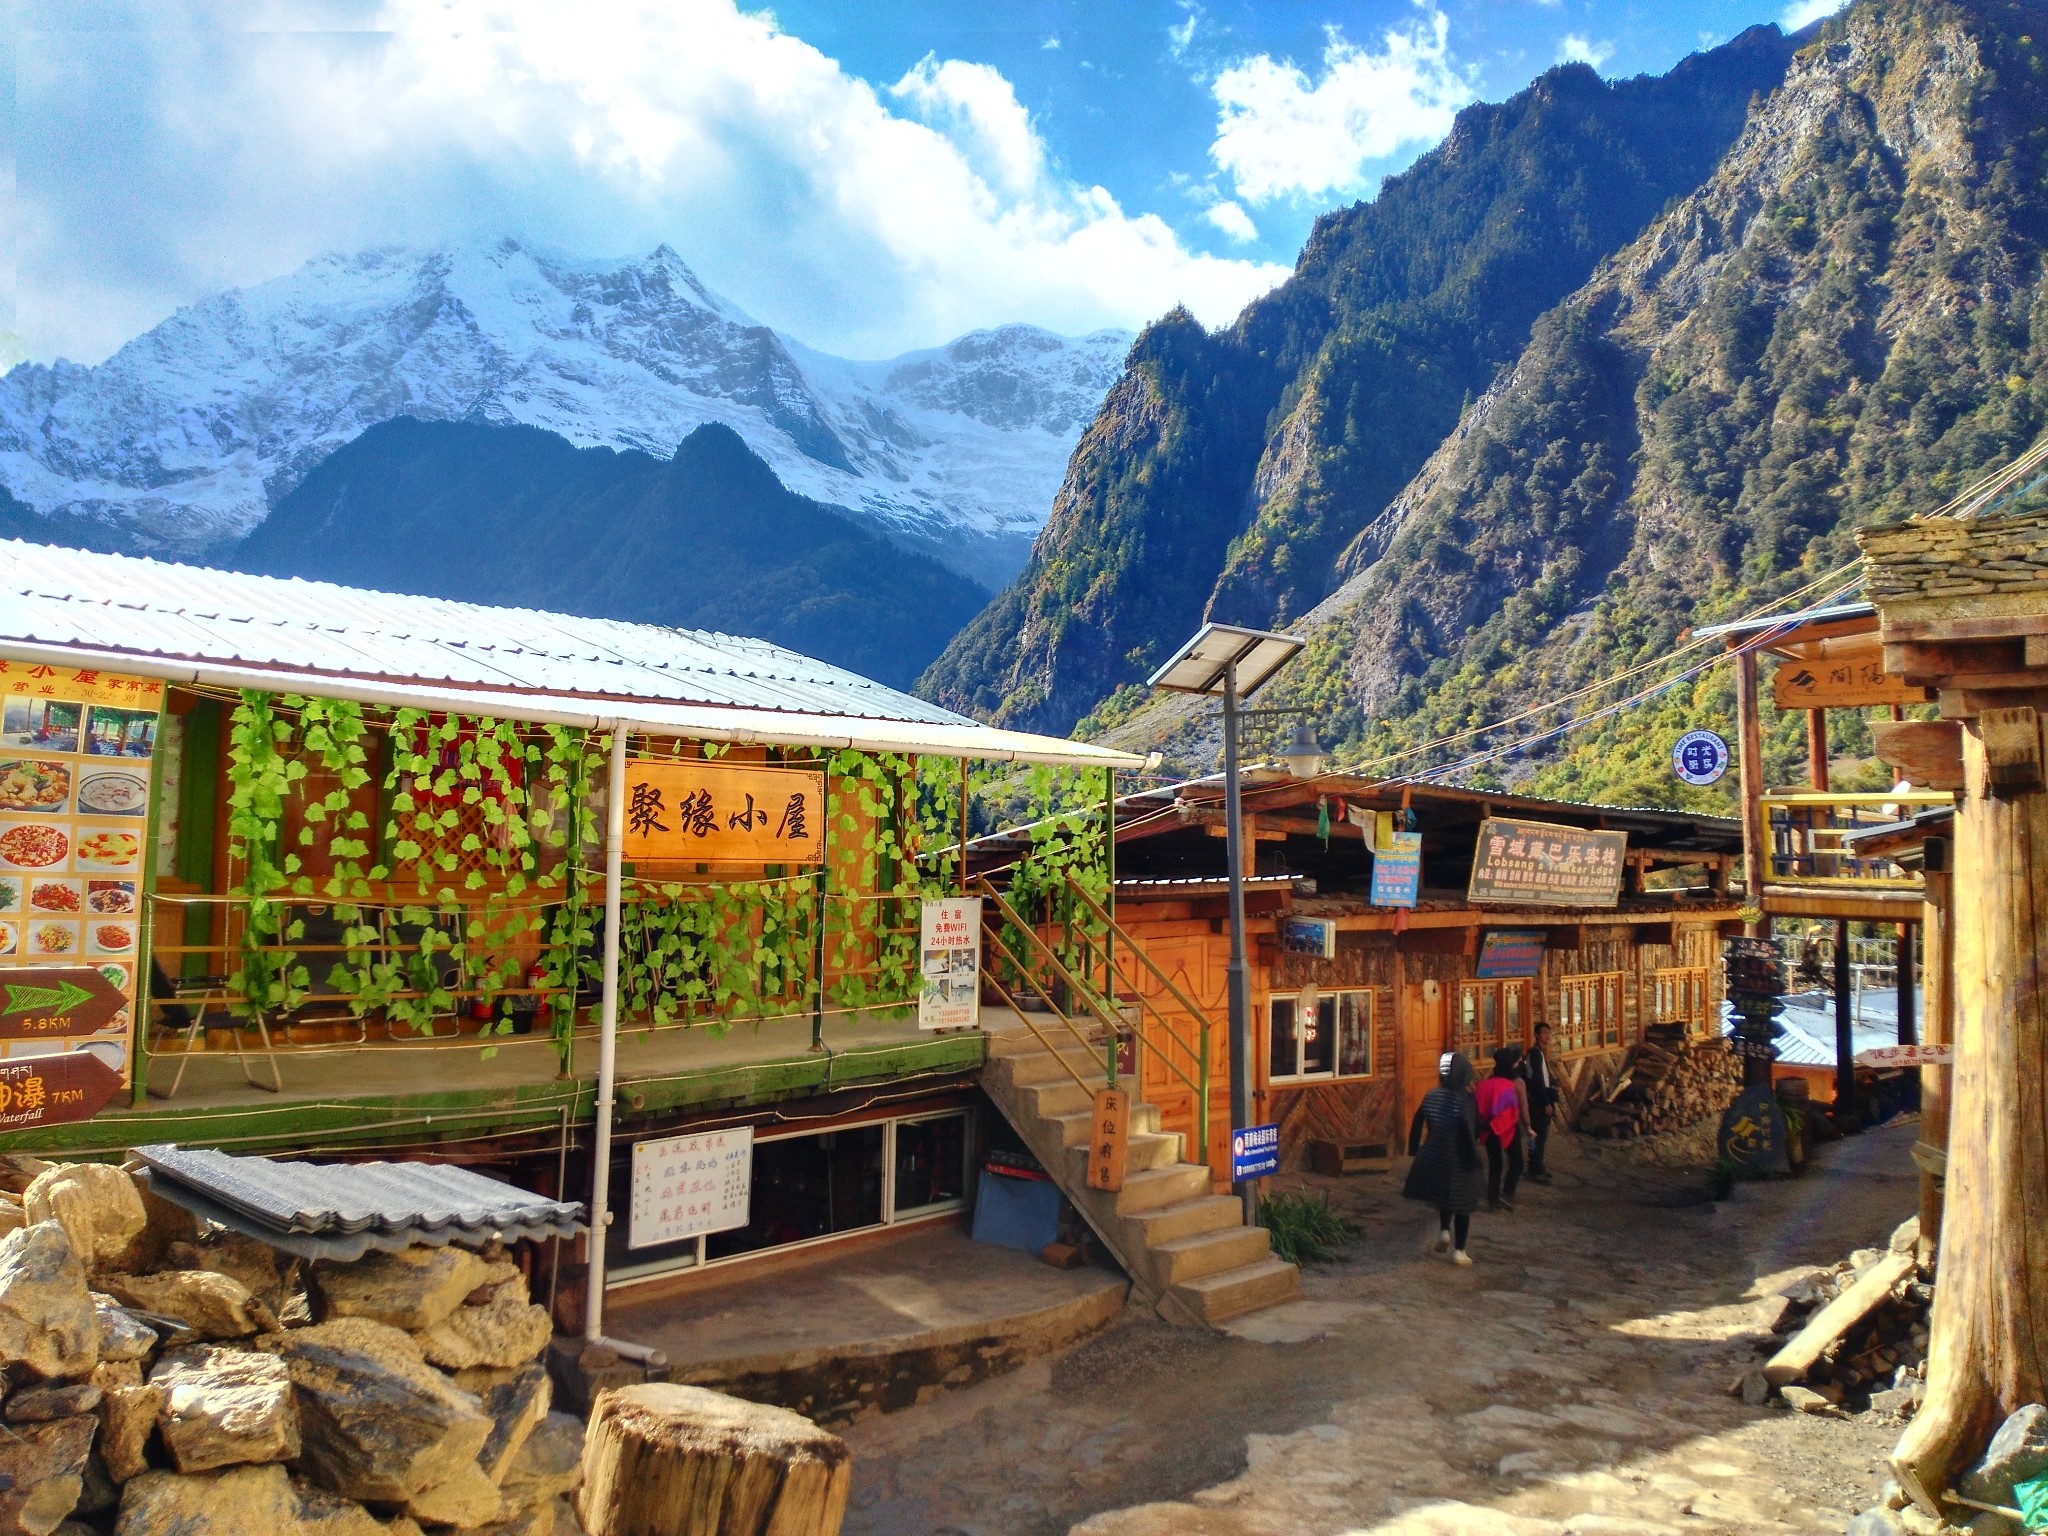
x,y
667,1460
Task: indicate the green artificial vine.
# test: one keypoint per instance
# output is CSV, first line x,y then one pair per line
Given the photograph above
x,y
261,774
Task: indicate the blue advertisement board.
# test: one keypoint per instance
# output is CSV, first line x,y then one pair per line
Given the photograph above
x,y
1397,871
1509,952
1254,1153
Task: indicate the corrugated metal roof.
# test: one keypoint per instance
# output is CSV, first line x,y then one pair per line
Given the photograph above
x,y
1833,613
1809,1025
187,623
340,1210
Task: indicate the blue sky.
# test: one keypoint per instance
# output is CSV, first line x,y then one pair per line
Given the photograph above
x,y
868,176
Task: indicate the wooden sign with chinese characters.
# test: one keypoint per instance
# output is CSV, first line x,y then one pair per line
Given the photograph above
x,y
54,1090
685,1186
1109,1139
724,813
1841,682
56,1003
1538,864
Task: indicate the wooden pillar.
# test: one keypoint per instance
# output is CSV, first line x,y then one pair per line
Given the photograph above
x,y
1845,1039
1817,750
1989,1351
1937,969
1750,781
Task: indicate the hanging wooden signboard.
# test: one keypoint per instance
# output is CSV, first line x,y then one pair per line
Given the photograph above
x,y
1109,1139
54,1090
1848,681
1539,864
57,1002
724,813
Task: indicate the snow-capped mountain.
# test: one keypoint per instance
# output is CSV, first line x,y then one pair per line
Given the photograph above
x,y
187,436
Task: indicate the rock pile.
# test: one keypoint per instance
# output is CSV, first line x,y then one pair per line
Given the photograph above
x,y
1670,1081
162,1378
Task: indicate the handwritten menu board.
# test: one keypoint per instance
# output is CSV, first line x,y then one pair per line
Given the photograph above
x,y
75,750
685,1186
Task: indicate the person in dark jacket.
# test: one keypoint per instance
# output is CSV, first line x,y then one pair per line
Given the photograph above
x,y
1447,1171
1503,1101
1543,1098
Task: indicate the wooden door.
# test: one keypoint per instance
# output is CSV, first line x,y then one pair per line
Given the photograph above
x,y
1195,962
1425,1031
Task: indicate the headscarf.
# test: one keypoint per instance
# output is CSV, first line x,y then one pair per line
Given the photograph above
x,y
1454,1071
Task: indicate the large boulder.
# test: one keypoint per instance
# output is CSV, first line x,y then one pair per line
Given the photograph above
x,y
240,1258
376,1422
412,1289
2018,1451
464,1498
516,1401
225,1407
98,1206
39,1405
548,1464
42,1473
242,1501
210,1306
505,1331
47,1321
164,1224
123,1335
128,1417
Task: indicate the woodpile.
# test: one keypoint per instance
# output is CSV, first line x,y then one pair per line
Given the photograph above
x,y
1670,1082
164,1375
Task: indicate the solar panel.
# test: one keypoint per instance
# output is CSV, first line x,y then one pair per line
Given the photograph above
x,y
1204,662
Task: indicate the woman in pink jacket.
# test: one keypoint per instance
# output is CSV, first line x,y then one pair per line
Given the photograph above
x,y
1503,1112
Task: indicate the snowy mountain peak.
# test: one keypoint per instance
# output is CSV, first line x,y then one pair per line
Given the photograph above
x,y
187,435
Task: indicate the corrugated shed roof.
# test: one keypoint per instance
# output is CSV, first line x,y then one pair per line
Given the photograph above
x,y
154,608
340,1210
1809,1025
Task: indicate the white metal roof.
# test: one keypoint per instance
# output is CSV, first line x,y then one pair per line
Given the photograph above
x,y
191,624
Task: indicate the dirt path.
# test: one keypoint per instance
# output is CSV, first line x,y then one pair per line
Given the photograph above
x,y
1571,1383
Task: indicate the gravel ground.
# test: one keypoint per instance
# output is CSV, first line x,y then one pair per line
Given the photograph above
x,y
1572,1382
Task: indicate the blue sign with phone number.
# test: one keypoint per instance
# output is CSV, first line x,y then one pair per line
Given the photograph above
x,y
1254,1153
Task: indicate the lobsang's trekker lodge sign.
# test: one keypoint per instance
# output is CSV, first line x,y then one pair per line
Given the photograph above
x,y
1538,863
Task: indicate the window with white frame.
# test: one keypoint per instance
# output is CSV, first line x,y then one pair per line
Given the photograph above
x,y
1333,1040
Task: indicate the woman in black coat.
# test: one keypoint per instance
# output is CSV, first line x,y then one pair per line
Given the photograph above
x,y
1448,1171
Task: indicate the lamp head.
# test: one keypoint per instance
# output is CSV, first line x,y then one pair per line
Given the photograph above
x,y
1304,754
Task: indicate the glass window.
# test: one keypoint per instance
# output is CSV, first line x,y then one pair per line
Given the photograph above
x,y
1489,1018
809,1186
1511,1007
1354,1035
931,1162
1319,1039
1334,1041
1284,1049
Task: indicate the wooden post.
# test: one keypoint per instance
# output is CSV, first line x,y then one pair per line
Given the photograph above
x,y
667,1460
1817,750
1750,780
1845,1037
1937,969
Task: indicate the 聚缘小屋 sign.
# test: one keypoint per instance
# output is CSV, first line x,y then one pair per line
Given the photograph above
x,y
724,813
1509,954
1841,682
686,1186
949,962
76,745
1397,870
1538,864
55,1090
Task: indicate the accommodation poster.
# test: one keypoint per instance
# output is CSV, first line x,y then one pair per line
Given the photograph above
x,y
949,949
75,754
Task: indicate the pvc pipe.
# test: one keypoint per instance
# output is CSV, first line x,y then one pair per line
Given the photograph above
x,y
607,1039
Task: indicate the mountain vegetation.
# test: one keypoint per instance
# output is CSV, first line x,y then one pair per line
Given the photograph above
x,y
708,539
1228,473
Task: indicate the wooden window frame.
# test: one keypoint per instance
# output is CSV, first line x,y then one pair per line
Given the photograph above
x,y
1476,1041
1681,994
1367,1002
1592,1013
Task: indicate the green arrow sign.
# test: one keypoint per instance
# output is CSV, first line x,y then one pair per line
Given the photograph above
x,y
62,998
56,1002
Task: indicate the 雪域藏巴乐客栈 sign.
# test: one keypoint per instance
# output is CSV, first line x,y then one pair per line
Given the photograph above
x,y
1538,864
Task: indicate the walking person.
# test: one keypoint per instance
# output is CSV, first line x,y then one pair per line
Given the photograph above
x,y
1503,1114
1443,1140
1543,1097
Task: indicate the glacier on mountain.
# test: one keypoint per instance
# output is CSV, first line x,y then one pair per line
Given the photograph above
x,y
185,437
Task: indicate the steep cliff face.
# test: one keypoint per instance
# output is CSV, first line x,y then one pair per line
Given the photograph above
x,y
1226,474
1844,324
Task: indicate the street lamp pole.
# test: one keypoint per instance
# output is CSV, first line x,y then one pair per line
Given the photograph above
x,y
1235,978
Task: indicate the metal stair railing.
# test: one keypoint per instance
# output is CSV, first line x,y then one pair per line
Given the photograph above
x,y
1118,945
993,941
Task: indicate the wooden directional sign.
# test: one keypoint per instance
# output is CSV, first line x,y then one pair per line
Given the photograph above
x,y
1109,1139
1906,1056
1847,681
56,1002
53,1090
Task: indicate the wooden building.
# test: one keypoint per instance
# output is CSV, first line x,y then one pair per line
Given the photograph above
x,y
1353,1002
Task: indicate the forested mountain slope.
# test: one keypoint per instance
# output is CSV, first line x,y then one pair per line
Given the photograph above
x,y
1227,473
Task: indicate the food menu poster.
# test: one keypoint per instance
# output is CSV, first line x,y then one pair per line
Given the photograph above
x,y
686,1186
75,750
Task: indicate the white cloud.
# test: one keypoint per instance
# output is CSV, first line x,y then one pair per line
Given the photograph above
x,y
1804,13
162,156
1182,32
1233,221
1579,49
1279,134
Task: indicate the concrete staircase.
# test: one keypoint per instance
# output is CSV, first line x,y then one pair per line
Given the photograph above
x,y
1188,1251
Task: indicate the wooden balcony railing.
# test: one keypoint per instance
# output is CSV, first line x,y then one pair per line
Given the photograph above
x,y
1804,836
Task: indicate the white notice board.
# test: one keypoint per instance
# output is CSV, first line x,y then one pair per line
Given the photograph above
x,y
684,1186
950,952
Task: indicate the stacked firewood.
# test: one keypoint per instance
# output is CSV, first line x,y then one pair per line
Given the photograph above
x,y
1668,1083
